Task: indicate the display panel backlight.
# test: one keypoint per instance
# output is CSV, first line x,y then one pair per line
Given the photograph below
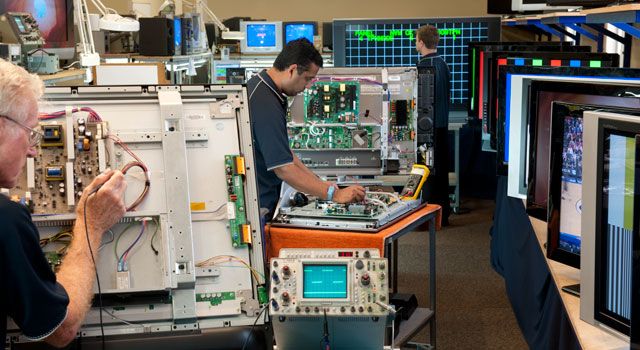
x,y
324,281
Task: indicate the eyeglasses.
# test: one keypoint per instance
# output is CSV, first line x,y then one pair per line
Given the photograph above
x,y
35,136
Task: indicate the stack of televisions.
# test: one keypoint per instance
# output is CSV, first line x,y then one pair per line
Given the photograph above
x,y
565,124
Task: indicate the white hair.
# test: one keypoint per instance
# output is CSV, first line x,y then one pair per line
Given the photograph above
x,y
18,91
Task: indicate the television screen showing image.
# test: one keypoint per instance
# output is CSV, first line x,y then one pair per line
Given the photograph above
x,y
261,35
293,31
571,193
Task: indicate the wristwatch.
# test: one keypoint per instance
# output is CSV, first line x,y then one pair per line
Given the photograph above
x,y
330,191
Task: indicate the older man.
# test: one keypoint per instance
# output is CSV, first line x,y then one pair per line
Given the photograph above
x,y
46,306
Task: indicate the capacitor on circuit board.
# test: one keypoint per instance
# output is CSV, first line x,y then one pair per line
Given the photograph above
x,y
86,145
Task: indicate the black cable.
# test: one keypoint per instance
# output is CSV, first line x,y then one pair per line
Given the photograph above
x,y
246,340
95,267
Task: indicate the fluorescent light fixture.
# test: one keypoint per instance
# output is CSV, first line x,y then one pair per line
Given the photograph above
x,y
229,35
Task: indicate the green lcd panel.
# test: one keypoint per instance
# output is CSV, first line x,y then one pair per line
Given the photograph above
x,y
324,281
595,64
536,62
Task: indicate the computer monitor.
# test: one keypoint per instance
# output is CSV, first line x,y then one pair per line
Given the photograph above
x,y
220,70
542,96
297,30
610,219
55,19
261,37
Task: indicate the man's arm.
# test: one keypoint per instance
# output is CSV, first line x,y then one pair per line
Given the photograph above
x,y
104,208
302,179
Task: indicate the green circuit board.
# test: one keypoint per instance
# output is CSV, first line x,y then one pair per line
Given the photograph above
x,y
332,102
330,137
235,195
215,298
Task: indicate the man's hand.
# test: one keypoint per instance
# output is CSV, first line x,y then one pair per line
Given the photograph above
x,y
349,194
106,206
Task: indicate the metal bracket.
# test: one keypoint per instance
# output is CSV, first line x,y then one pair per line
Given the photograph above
x,y
628,28
225,109
248,305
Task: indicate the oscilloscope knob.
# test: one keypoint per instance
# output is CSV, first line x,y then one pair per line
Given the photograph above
x,y
365,279
286,270
285,296
359,265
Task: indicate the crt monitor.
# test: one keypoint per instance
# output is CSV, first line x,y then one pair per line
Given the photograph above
x,y
55,19
297,30
261,37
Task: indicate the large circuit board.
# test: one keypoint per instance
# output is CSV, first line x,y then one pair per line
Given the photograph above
x,y
72,152
332,102
341,137
238,225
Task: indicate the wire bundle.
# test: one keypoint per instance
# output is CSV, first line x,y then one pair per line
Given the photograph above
x,y
123,258
93,115
63,237
220,259
137,163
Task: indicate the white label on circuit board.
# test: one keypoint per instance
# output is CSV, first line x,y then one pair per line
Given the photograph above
x,y
394,78
31,173
358,139
231,211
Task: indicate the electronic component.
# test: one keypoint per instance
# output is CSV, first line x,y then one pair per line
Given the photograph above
x,y
262,37
347,291
54,173
52,136
215,299
54,260
123,279
418,176
71,158
43,63
330,137
378,210
332,102
157,37
234,168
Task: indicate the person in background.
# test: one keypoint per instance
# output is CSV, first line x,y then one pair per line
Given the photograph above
x,y
436,188
46,306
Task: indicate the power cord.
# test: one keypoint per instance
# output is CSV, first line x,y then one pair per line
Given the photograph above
x,y
325,344
246,340
95,267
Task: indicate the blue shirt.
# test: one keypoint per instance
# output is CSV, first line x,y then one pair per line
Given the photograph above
x,y
268,114
29,292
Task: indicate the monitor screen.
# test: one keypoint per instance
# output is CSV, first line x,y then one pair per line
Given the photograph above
x,y
220,70
392,42
571,195
177,34
293,31
618,190
324,281
261,35
54,18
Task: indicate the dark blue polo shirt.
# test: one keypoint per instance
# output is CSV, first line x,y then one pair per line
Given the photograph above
x,y
442,86
268,114
29,293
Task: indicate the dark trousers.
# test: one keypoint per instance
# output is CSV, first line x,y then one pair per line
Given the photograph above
x,y
436,189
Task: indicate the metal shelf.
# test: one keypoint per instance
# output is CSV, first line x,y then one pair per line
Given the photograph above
x,y
409,328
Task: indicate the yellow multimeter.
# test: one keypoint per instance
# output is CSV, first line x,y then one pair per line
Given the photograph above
x,y
418,176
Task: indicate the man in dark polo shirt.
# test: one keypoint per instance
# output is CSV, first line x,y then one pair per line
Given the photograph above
x,y
293,70
436,189
46,306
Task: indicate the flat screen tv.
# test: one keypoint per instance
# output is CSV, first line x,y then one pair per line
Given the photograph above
x,y
610,218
